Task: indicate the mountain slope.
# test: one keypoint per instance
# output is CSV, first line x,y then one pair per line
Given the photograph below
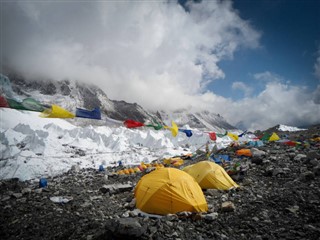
x,y
203,120
71,94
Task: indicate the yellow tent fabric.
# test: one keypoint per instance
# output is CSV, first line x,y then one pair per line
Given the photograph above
x,y
316,139
233,136
274,137
169,190
56,112
174,161
210,175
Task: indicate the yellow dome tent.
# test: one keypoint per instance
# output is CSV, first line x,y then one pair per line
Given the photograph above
x,y
210,175
169,190
56,112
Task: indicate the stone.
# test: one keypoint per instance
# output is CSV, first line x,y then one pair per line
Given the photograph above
x,y
5,198
224,197
256,219
228,206
184,214
116,188
26,190
125,228
299,157
277,172
75,168
38,190
212,192
257,160
311,155
308,175
314,162
106,178
170,217
294,209
211,217
60,199
17,195
316,170
257,153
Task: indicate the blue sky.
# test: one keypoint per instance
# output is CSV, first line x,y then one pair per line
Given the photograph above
x,y
290,38
256,63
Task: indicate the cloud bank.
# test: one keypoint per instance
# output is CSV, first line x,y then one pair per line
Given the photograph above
x,y
154,53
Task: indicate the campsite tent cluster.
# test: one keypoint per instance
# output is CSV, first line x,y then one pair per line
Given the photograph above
x,y
170,190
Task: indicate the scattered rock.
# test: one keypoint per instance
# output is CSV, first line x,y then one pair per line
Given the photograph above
x,y
278,198
211,217
300,157
17,195
59,199
313,155
26,190
75,168
123,228
257,153
116,188
227,206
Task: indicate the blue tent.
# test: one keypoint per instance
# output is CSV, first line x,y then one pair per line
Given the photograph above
x,y
83,113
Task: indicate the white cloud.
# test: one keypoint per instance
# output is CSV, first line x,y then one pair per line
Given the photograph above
x,y
317,65
316,95
277,104
243,87
153,53
267,77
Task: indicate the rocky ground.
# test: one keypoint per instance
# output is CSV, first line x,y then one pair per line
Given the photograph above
x,y
279,198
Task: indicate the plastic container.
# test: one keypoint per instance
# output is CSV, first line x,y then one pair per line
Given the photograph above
x,y
43,183
101,168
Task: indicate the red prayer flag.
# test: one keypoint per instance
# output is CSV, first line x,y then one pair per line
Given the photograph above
x,y
3,102
132,124
213,136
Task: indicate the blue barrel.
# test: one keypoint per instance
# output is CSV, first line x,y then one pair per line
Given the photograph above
x,y
43,183
101,168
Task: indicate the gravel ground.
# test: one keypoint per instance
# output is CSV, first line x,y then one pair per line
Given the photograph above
x,y
278,198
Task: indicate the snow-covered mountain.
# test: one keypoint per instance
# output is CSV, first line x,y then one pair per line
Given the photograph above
x,y
71,94
283,128
286,128
203,120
